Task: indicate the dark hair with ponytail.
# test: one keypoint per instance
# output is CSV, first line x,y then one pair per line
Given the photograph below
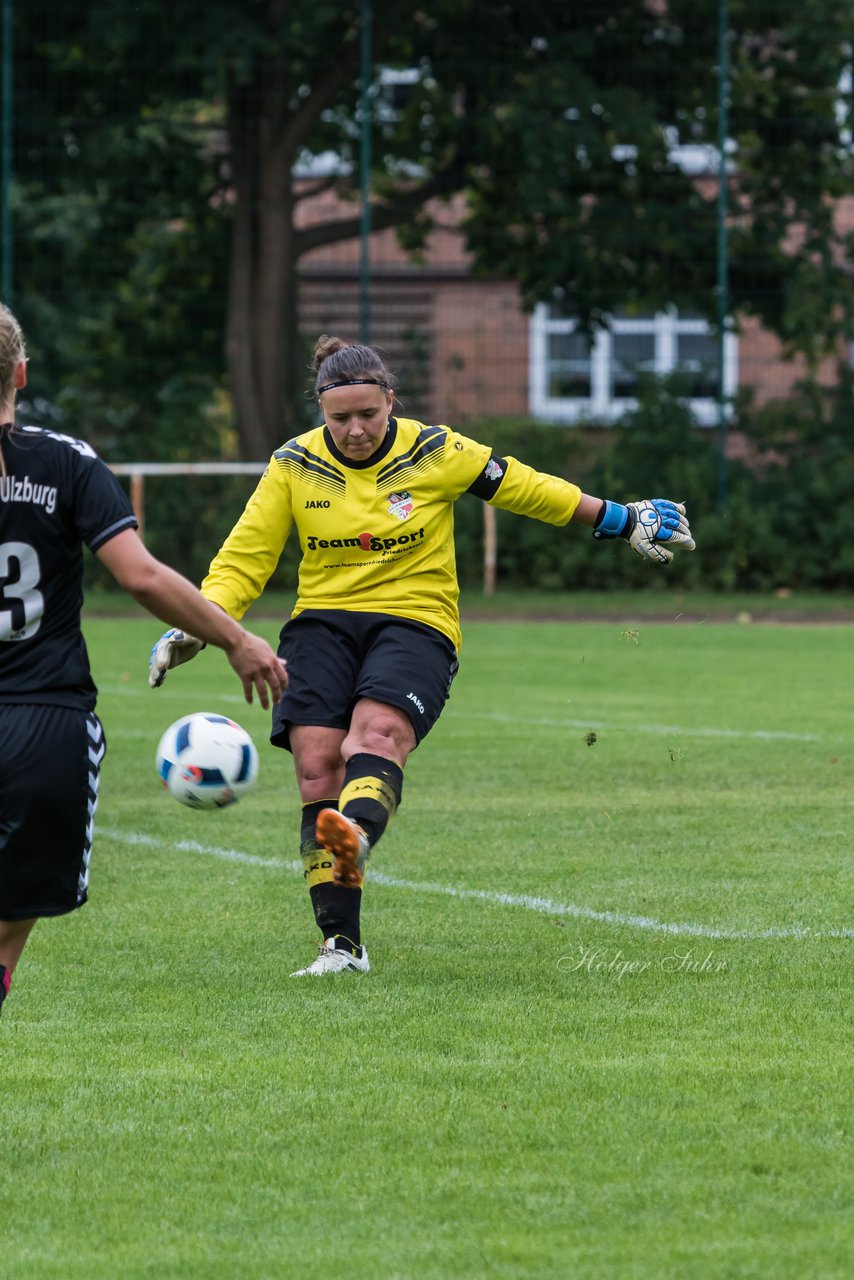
x,y
336,361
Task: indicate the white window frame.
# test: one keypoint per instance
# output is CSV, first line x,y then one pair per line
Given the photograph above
x,y
601,404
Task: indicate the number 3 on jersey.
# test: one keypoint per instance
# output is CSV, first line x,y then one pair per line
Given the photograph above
x,y
21,603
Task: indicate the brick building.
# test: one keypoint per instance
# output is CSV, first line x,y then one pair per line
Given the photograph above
x,y
464,348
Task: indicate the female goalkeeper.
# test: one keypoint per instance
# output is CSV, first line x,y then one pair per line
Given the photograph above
x,y
372,644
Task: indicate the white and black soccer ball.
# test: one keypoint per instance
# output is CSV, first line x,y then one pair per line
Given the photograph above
x,y
207,761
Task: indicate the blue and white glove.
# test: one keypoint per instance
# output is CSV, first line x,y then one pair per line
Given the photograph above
x,y
173,648
651,528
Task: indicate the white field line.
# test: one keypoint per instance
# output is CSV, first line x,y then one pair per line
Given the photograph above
x,y
525,901
670,730
501,717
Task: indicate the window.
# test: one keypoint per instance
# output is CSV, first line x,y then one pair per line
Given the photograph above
x,y
568,366
573,377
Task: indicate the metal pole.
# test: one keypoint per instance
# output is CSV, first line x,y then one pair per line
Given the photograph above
x,y
6,163
137,501
722,289
365,113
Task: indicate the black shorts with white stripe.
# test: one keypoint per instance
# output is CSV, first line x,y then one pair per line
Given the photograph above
x,y
50,759
336,657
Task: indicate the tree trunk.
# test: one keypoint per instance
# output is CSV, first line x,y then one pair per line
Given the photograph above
x,y
294,362
240,328
275,288
265,354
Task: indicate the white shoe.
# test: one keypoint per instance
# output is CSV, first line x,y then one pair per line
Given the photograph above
x,y
331,960
348,845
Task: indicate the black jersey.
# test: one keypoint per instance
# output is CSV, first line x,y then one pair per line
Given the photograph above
x,y
56,495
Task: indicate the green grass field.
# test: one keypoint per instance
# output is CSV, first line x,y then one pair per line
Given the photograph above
x,y
607,1033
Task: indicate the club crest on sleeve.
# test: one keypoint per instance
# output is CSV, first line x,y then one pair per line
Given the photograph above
x,y
493,470
400,504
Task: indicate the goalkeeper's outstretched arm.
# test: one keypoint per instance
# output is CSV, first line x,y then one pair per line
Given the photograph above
x,y
652,528
175,600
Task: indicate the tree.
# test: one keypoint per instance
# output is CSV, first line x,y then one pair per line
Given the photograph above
x,y
598,209
151,152
174,149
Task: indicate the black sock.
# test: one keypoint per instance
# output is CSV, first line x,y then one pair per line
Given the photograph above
x,y
336,907
337,911
371,793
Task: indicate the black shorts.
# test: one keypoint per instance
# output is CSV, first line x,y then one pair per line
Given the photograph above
x,y
337,657
49,764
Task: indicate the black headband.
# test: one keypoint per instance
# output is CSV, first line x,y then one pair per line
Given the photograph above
x,y
355,382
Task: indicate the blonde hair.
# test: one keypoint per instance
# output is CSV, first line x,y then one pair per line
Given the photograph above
x,y
335,360
12,352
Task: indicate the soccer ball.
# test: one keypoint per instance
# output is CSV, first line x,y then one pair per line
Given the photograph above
x,y
206,761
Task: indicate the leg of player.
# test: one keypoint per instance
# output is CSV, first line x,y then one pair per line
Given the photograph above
x,y
368,792
13,938
375,749
320,775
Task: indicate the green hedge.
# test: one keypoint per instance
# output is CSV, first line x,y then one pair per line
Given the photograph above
x,y
787,519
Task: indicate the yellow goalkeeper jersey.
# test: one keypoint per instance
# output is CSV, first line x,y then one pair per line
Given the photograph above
x,y
376,536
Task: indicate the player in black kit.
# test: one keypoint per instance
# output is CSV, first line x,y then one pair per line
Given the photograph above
x,y
55,495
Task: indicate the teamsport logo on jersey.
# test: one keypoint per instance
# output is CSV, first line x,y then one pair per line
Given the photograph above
x,y
400,504
365,541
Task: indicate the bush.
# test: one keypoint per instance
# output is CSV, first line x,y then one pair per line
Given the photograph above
x,y
788,518
803,482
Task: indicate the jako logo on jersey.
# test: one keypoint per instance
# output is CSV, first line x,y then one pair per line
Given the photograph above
x,y
400,504
12,490
317,502
419,704
366,541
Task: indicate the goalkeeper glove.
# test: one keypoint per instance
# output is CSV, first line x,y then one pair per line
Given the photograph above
x,y
173,648
647,526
